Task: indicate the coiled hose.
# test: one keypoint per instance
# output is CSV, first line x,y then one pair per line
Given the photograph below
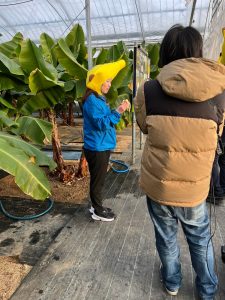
x,y
126,167
27,217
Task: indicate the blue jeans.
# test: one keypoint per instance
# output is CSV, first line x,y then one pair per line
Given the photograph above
x,y
195,224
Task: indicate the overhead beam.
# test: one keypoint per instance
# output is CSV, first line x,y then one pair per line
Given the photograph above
x,y
132,35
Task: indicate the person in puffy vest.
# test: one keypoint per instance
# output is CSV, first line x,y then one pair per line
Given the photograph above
x,y
181,112
99,132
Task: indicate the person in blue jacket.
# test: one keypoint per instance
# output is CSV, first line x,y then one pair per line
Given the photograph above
x,y
99,132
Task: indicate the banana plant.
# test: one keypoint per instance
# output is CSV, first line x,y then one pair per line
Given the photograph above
x,y
120,89
18,157
153,54
22,160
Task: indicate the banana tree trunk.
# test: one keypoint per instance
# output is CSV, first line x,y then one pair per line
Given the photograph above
x,y
56,145
83,167
71,117
64,118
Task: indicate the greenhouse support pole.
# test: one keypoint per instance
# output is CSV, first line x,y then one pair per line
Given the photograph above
x,y
192,12
88,28
132,106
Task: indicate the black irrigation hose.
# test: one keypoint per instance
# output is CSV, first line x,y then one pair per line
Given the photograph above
x,y
27,217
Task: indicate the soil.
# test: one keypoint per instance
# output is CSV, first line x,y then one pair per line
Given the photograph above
x,y
75,192
12,273
64,195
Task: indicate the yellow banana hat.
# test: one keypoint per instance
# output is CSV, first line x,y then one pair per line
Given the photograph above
x,y
100,73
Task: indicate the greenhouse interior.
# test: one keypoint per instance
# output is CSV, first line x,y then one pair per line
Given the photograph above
x,y
112,101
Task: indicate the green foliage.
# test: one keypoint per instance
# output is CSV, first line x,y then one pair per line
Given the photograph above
x,y
5,121
47,45
6,104
31,58
22,160
68,61
74,39
80,88
9,82
44,99
82,55
69,85
153,54
122,48
38,82
113,54
101,59
121,125
12,48
35,130
9,66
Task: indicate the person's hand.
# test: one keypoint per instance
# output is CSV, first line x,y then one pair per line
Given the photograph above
x,y
125,105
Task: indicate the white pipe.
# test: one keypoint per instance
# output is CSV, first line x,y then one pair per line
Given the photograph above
x,y
88,27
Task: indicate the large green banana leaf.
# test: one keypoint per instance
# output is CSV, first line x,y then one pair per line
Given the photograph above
x,y
47,44
12,48
6,121
123,77
68,61
38,81
153,53
80,88
41,159
112,96
69,85
35,130
6,103
31,58
75,38
113,53
82,55
122,48
101,59
43,99
22,162
9,66
8,82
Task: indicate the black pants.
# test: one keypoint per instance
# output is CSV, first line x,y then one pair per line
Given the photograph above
x,y
98,164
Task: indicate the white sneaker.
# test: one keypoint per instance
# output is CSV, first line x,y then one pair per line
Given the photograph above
x,y
91,210
170,292
104,216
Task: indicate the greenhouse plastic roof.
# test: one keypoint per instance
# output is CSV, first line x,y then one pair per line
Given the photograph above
x,y
128,20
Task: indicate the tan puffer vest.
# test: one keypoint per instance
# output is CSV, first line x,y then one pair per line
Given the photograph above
x,y
180,113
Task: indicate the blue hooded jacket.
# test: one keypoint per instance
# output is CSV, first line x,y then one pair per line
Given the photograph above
x,y
99,121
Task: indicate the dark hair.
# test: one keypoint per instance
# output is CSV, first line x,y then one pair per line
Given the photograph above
x,y
180,42
88,93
